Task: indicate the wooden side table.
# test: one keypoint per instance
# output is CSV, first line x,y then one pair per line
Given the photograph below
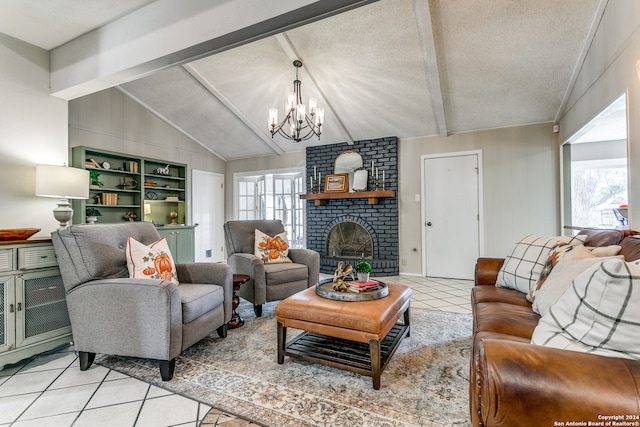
x,y
237,321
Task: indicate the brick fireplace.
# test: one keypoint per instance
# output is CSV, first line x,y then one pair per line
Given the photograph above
x,y
357,230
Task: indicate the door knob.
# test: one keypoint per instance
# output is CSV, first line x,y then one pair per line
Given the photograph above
x,y
429,224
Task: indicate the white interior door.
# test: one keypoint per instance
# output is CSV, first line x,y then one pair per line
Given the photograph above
x,y
208,212
451,207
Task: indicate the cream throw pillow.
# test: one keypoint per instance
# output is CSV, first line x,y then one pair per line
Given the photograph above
x,y
270,249
522,267
560,279
564,254
152,261
597,314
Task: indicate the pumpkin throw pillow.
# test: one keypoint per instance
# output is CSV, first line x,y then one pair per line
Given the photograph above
x,y
152,261
270,249
522,267
597,314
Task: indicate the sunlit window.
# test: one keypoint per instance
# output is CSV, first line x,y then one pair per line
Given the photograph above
x,y
274,196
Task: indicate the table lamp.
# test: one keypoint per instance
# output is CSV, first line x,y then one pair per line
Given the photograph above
x,y
64,183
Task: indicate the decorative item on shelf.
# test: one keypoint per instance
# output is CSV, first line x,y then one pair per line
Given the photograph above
x,y
150,184
348,162
337,183
147,211
110,199
163,171
92,215
128,185
172,199
94,180
363,269
106,165
92,163
360,178
173,215
130,216
64,183
296,120
341,276
151,195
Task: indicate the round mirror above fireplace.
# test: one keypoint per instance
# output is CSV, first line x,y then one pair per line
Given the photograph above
x,y
347,162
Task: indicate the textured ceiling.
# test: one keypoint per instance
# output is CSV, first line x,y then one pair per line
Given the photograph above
x,y
393,67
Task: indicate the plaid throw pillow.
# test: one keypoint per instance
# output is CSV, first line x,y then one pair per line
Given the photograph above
x,y
522,267
597,314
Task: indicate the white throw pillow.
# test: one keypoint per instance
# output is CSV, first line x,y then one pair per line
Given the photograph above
x,y
522,267
152,261
597,314
271,249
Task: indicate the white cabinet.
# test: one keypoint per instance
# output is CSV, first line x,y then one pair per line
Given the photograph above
x,y
33,310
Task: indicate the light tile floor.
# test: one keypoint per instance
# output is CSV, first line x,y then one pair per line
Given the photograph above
x,y
50,390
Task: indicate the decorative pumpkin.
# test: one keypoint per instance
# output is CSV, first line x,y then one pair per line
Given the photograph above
x,y
166,275
274,253
148,271
162,263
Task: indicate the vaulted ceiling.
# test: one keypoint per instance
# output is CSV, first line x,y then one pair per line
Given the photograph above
x,y
392,67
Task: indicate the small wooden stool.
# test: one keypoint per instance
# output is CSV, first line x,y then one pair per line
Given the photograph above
x,y
338,330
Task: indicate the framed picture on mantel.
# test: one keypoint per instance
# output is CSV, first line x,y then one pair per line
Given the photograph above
x,y
336,183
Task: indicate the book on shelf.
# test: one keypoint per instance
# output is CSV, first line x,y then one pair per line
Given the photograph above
x,y
131,166
92,163
109,199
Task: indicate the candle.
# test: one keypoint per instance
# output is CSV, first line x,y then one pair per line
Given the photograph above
x,y
376,174
314,172
372,168
318,182
311,183
383,179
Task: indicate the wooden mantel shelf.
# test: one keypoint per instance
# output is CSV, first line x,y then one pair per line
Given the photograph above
x,y
373,197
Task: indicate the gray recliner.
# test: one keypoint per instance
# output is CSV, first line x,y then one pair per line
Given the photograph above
x,y
268,282
111,313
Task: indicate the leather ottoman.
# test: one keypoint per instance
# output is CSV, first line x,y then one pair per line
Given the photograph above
x,y
359,336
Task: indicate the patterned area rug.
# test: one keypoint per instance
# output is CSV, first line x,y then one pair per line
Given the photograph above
x,y
424,384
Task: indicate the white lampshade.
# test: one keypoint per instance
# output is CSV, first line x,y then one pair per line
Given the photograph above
x,y
64,183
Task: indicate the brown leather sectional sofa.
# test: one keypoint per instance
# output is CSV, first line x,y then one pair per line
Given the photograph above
x,y
515,383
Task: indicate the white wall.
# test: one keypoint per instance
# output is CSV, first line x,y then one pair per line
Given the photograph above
x,y
521,182
609,70
33,130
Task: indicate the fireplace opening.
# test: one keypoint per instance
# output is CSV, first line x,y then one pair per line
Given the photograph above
x,y
349,240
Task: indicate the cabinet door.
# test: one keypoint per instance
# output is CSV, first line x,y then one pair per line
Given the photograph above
x,y
185,243
7,313
181,243
41,307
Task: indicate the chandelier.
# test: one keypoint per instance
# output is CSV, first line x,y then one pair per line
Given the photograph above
x,y
297,124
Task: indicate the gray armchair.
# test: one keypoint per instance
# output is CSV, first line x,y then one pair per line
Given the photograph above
x,y
147,318
270,282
